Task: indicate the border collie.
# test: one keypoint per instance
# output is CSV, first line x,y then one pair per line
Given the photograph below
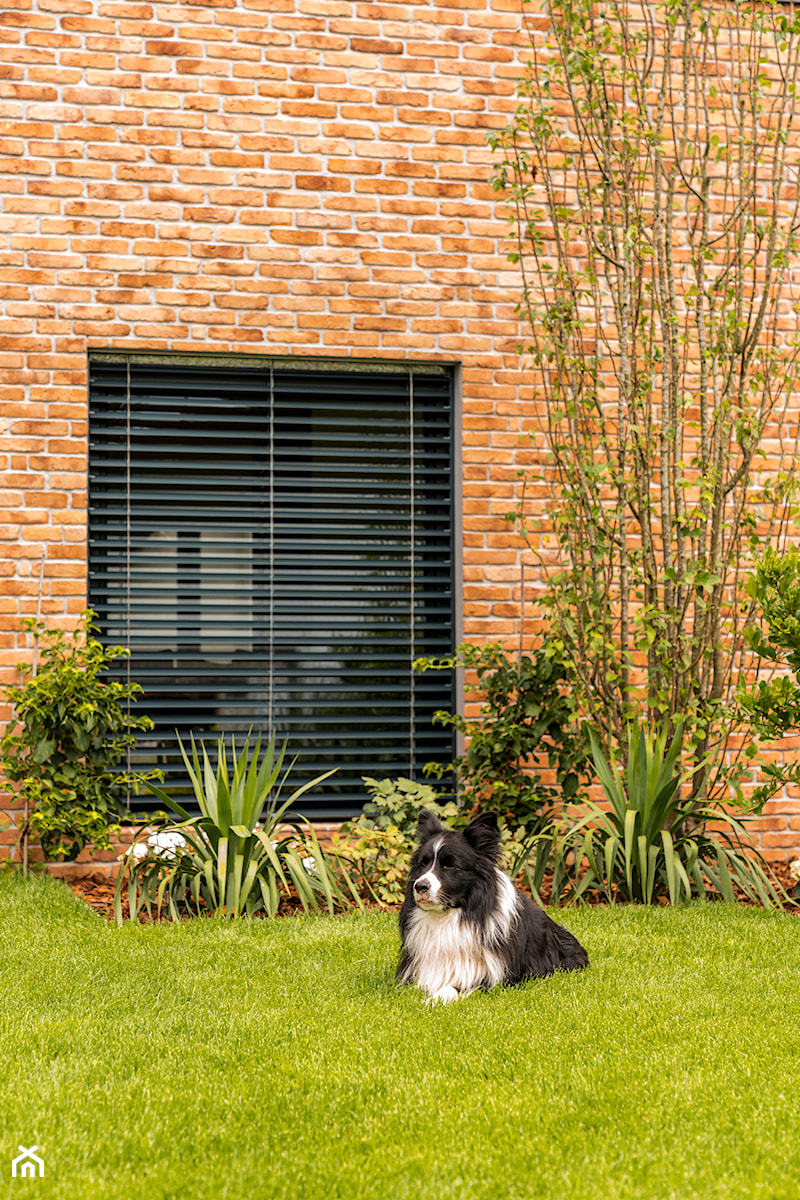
x,y
463,923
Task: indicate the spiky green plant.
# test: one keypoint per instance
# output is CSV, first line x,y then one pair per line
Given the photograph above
x,y
246,848
651,841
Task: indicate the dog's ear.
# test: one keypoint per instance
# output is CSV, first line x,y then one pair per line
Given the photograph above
x,y
483,834
427,826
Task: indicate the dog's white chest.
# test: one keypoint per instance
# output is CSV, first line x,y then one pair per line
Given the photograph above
x,y
448,955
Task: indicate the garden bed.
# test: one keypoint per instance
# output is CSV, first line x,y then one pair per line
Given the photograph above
x,y
98,892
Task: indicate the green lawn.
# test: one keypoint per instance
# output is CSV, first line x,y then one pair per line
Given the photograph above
x,y
279,1059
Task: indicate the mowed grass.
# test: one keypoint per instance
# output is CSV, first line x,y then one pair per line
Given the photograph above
x,y
279,1059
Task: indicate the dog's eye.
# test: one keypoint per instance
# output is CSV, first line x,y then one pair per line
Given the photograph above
x,y
446,865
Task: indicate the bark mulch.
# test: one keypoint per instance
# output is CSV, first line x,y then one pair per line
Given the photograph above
x,y
98,892
596,898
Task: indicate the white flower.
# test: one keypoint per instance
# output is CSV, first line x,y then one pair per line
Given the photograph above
x,y
139,850
310,863
164,845
794,870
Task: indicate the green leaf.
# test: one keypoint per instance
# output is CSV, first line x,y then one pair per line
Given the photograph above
x,y
43,749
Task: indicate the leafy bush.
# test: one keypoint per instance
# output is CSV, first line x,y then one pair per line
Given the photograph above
x,y
377,846
525,715
651,842
70,733
378,860
235,859
772,707
398,802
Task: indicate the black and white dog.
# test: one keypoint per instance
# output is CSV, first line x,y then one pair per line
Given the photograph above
x,y
464,925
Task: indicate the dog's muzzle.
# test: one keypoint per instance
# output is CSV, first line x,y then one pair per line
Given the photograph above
x,y
425,895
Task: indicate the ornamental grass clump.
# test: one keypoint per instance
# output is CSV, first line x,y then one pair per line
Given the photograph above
x,y
246,850
650,842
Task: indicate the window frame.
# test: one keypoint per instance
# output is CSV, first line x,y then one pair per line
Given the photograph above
x,y
326,808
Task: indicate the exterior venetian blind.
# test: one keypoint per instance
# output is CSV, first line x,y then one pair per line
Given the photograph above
x,y
274,545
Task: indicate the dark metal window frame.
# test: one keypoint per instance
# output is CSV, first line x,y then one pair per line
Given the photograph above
x,y
187,553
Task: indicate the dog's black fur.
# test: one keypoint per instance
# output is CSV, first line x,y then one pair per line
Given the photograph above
x,y
463,923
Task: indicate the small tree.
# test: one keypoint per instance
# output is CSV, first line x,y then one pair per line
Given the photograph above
x,y
69,735
651,169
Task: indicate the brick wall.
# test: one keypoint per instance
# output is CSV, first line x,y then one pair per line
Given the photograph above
x,y
302,177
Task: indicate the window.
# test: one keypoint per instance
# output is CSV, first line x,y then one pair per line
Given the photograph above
x,y
274,542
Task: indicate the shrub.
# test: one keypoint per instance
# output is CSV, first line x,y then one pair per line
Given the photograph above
x,y
651,842
71,732
238,857
525,716
772,707
398,802
377,846
378,860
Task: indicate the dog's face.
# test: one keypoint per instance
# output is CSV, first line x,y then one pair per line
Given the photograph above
x,y
447,863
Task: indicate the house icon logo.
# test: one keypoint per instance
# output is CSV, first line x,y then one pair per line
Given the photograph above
x,y
27,1164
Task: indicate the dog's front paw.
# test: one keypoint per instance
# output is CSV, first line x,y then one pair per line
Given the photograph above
x,y
445,995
